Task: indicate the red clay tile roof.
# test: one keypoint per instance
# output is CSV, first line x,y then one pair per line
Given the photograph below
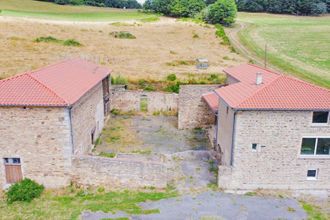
x,y
277,92
60,84
212,100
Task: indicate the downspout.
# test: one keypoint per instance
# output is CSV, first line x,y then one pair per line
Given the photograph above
x,y
71,129
233,141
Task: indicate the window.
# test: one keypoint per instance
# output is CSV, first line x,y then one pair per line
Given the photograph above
x,y
320,117
12,161
312,174
254,146
315,146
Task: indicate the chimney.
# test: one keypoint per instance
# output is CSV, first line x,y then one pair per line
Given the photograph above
x,y
259,79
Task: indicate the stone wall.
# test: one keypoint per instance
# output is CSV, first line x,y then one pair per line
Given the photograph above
x,y
41,138
193,111
278,164
127,100
87,116
118,172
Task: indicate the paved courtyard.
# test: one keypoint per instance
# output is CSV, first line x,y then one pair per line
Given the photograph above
x,y
214,206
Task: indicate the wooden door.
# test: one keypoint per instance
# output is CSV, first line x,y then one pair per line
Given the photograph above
x,y
13,170
13,173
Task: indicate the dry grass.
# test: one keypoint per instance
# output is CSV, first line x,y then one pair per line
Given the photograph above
x,y
147,56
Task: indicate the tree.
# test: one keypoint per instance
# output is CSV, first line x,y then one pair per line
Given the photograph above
x,y
221,12
186,8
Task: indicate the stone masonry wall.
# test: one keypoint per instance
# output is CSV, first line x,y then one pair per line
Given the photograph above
x,y
41,138
193,111
126,100
278,164
115,172
87,116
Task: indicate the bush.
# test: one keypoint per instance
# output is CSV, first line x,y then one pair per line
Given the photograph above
x,y
122,35
72,42
221,12
173,88
25,190
171,77
48,39
220,32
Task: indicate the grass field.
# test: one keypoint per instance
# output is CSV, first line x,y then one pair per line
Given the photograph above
x,y
296,45
46,10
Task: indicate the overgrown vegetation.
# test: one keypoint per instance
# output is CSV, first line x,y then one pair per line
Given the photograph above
x,y
70,202
313,212
122,35
221,12
50,39
171,83
181,63
25,190
220,32
295,7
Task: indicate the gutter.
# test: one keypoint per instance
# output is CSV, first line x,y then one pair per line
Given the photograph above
x,y
71,129
233,140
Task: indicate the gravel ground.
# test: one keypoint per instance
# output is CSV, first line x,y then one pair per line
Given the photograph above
x,y
214,205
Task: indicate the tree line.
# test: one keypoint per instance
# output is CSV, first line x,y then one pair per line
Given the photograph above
x,y
211,11
294,7
99,3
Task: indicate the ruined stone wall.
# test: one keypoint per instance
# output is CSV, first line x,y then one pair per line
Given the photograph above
x,y
193,111
87,116
278,164
41,138
127,100
118,172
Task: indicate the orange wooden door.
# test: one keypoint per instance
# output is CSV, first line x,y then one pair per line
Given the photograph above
x,y
13,173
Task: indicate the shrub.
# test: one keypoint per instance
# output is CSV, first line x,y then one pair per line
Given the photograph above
x,y
25,190
72,42
171,77
173,88
109,155
122,35
221,12
48,39
220,32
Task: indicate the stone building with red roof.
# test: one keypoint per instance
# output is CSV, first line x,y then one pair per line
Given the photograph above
x,y
48,115
272,131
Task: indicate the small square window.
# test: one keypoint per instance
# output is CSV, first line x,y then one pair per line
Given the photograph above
x,y
320,117
312,174
254,146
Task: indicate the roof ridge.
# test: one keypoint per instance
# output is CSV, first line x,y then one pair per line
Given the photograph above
x,y
47,88
51,65
260,89
13,77
269,70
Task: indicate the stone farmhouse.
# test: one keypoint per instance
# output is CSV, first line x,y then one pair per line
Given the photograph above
x,y
272,131
49,115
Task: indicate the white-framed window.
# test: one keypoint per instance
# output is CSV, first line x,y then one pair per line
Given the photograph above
x,y
254,146
312,174
12,161
315,146
320,118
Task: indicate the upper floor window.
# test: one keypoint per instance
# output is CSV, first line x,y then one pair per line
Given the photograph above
x,y
320,117
315,146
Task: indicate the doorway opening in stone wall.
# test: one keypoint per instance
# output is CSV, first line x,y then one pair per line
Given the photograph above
x,y
13,170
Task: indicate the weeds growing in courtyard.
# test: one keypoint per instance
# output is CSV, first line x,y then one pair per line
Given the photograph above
x,y
72,201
